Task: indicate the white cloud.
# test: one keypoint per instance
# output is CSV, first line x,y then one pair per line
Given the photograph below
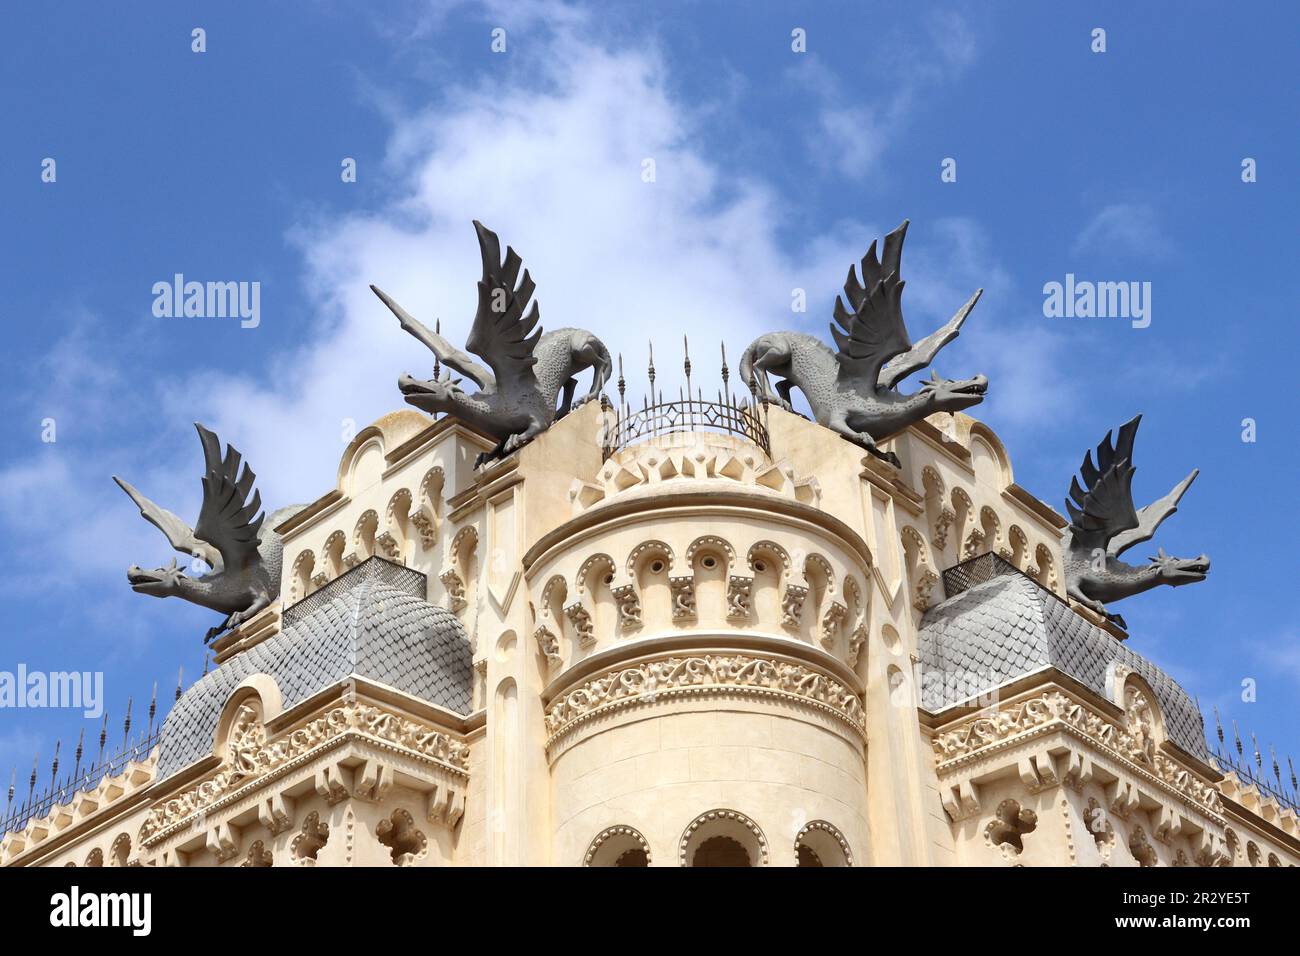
x,y
1124,229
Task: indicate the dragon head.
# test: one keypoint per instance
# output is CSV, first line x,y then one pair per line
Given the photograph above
x,y
431,395
1177,571
160,582
952,395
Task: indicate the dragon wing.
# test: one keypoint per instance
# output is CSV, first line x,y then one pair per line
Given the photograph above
x,y
923,352
227,518
871,329
1105,508
179,535
1150,517
447,353
501,331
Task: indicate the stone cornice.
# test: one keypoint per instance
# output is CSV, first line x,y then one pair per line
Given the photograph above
x,y
1034,506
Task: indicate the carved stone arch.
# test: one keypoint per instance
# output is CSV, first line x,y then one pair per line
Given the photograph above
x,y
95,857
824,567
730,825
241,728
920,567
1046,566
1144,723
939,512
1233,845
707,543
966,522
991,525
644,552
119,852
462,544
1019,547
331,553
364,533
426,513
581,582
760,549
393,541
825,843
458,574
300,575
620,846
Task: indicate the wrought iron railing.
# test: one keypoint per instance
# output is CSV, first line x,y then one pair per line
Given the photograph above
x,y
1257,776
978,570
725,416
689,412
60,791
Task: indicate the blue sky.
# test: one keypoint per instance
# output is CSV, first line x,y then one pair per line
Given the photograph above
x,y
773,171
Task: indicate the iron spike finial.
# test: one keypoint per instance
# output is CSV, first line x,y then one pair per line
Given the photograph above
x,y
1291,767
1277,772
81,740
437,363
126,724
1218,726
13,782
153,706
180,682
207,659
1259,761
1236,733
54,765
103,738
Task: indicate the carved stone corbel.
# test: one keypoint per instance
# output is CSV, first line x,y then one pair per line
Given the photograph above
x,y
451,580
223,842
580,618
792,605
1121,797
831,621
629,606
276,813
942,522
330,783
446,804
683,597
548,644
372,781
389,544
739,593
857,640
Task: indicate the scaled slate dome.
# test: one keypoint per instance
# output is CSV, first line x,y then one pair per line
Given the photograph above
x,y
371,623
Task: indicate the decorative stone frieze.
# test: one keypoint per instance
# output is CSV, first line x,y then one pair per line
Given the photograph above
x,y
1053,709
250,756
708,674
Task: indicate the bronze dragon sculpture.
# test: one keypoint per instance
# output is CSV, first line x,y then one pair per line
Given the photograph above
x,y
1104,524
854,390
231,537
517,399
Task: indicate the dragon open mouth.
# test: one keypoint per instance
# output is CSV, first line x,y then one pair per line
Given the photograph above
x,y
976,386
412,386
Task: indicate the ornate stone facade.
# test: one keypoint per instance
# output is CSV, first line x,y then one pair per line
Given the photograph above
x,y
688,651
